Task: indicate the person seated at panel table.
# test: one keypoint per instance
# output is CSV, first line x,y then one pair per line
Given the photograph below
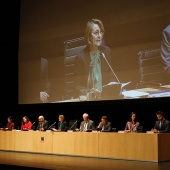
x,y
10,124
161,125
132,124
26,124
104,125
86,125
62,124
42,124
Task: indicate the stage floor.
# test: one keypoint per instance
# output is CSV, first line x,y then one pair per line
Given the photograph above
x,y
9,160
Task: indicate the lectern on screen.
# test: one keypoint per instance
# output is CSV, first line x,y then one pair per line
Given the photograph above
x,y
52,33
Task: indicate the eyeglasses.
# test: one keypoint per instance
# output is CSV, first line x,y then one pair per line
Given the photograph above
x,y
97,33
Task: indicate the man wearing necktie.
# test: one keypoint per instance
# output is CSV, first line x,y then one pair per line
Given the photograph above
x,y
86,125
161,125
42,124
104,125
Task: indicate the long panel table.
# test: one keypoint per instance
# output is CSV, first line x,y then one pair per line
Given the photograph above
x,y
127,146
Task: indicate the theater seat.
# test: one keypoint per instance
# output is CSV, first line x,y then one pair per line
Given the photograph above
x,y
151,71
71,48
72,125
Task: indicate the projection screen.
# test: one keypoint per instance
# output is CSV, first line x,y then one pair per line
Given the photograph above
x,y
52,35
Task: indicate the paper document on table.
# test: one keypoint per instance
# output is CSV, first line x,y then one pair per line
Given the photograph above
x,y
122,84
163,93
134,94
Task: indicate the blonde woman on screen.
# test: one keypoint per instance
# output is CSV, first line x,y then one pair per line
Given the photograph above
x,y
92,70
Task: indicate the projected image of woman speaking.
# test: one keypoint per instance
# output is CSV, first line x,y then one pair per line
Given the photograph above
x,y
91,64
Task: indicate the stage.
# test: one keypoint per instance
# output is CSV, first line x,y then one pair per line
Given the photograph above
x,y
28,161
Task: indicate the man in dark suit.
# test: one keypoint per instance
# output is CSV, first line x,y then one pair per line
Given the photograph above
x,y
86,125
104,125
42,124
165,51
161,125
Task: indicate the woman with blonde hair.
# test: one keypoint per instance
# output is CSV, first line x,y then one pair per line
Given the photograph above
x,y
91,67
62,124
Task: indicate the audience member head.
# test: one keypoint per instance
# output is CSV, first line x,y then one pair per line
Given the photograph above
x,y
85,117
159,115
61,118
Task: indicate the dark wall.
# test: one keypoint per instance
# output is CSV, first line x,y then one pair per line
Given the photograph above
x,y
10,14
117,111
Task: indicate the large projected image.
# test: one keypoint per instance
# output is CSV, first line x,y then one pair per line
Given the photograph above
x,y
94,50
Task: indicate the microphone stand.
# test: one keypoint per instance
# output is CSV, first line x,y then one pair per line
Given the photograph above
x,y
110,67
73,124
31,125
52,125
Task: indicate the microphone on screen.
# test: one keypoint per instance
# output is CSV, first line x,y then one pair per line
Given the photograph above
x,y
110,67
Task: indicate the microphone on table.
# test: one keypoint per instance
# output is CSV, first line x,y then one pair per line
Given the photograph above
x,y
110,67
31,125
73,124
52,125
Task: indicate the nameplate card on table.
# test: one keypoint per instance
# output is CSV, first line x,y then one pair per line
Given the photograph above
x,y
70,131
48,130
150,132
